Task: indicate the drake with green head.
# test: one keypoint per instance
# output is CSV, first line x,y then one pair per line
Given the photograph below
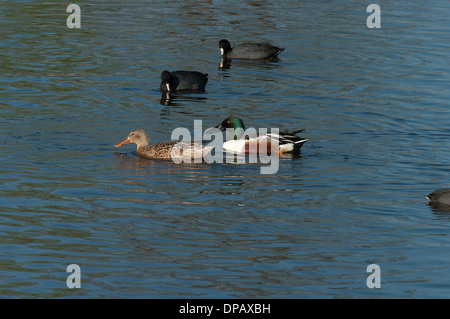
x,y
287,141
235,123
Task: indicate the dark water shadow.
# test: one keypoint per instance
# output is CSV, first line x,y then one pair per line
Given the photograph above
x,y
168,99
291,155
440,210
225,64
132,161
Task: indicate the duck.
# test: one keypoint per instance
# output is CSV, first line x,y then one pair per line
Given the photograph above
x,y
183,81
439,197
249,51
287,141
164,150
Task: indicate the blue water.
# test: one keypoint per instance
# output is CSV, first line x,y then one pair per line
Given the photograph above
x,y
373,102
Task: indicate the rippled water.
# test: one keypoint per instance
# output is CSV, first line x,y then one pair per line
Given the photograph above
x,y
374,103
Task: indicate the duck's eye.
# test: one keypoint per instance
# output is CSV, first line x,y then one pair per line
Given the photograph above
x,y
228,122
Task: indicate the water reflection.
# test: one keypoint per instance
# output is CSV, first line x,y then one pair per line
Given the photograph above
x,y
133,164
167,99
133,161
225,64
224,230
439,208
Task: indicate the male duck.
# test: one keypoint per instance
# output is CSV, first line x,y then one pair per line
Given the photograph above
x,y
163,150
183,81
287,141
250,51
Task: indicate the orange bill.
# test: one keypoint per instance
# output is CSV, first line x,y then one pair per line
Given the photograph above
x,y
124,142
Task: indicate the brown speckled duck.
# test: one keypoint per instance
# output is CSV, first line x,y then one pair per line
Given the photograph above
x,y
164,150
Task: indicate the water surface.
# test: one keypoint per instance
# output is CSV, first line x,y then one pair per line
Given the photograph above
x,y
374,103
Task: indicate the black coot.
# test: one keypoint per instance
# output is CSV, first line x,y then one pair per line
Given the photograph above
x,y
250,51
183,81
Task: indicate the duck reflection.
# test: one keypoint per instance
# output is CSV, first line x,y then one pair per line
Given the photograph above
x,y
168,99
225,64
134,162
440,210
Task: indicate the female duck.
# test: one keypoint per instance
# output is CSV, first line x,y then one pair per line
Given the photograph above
x,y
169,150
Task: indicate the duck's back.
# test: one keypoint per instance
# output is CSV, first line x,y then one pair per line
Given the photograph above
x,y
254,51
180,150
162,150
189,80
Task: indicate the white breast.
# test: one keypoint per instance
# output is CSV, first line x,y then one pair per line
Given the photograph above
x,y
235,146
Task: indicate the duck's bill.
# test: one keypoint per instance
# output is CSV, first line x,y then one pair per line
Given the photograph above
x,y
124,142
222,51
